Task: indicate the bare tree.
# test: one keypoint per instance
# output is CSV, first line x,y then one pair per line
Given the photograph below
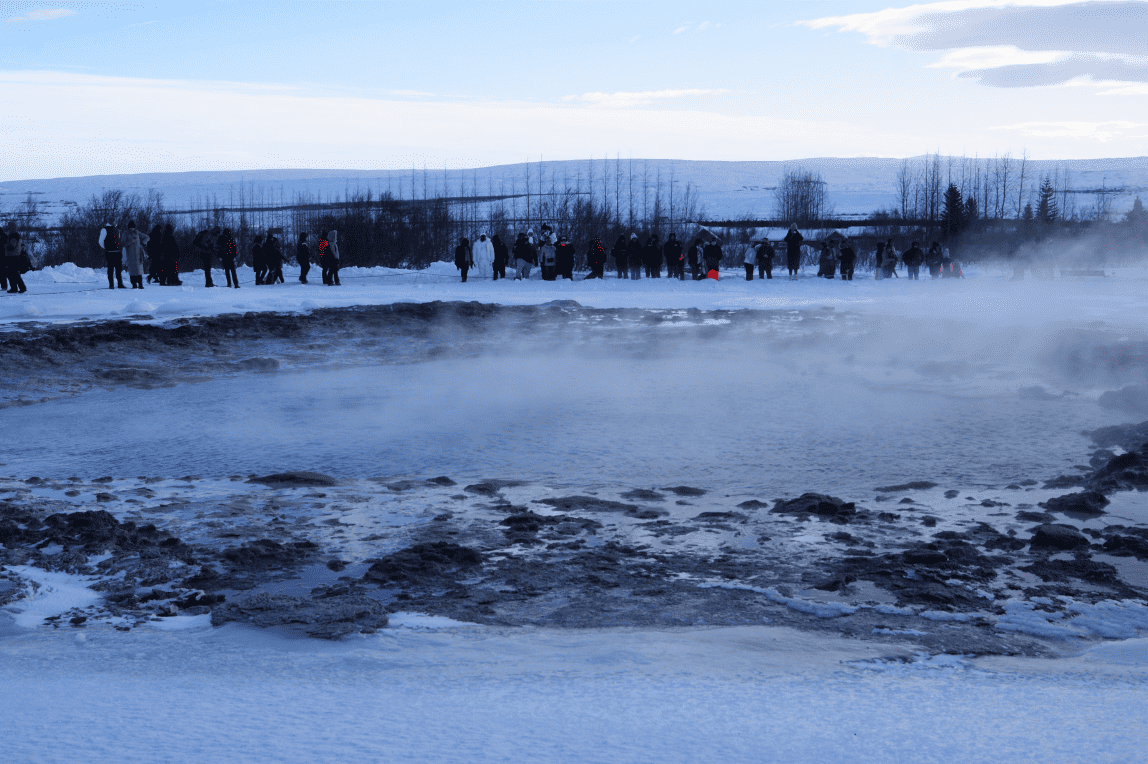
x,y
801,198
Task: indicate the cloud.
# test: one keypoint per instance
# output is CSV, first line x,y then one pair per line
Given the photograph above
x,y
629,100
43,15
679,30
1004,44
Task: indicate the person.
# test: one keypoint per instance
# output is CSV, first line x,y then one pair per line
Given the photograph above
x,y
205,247
793,241
258,262
564,259
113,254
913,258
461,258
749,260
482,256
933,260
547,258
333,258
501,257
155,259
765,260
303,257
169,253
634,256
596,259
525,256
3,263
228,250
695,267
878,260
848,260
134,244
712,254
619,253
889,263
273,260
675,258
14,254
652,257
827,264
951,267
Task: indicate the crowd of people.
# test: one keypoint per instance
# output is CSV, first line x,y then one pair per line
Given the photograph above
x,y
156,255
554,254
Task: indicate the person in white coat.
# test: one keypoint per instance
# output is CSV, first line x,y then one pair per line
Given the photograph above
x,y
482,256
750,259
134,242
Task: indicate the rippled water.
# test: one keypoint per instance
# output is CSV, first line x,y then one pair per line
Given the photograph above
x,y
839,410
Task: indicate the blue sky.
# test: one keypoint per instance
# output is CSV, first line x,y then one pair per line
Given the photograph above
x,y
95,88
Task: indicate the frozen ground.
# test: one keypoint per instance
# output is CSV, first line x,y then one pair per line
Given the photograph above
x,y
552,530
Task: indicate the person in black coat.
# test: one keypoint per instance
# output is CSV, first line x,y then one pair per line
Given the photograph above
x,y
672,252
652,258
3,266
848,260
634,256
793,241
765,260
934,259
596,258
692,258
619,253
525,257
113,254
169,253
913,258
273,259
228,252
153,249
258,263
205,247
303,257
501,257
564,259
878,261
462,256
712,255
14,260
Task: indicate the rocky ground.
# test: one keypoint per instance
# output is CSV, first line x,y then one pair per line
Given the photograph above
x,y
952,570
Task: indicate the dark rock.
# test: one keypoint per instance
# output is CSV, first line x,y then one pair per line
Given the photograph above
x,y
594,504
105,497
1082,568
1127,546
491,487
423,564
327,618
1122,473
642,494
888,517
685,490
929,521
925,557
1128,436
1132,398
1057,536
442,480
1035,517
1005,543
722,517
1065,481
1083,503
266,554
991,503
917,485
828,507
336,565
1012,487
951,494
752,504
906,500
298,478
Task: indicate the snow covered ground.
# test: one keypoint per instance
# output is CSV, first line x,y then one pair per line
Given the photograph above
x,y
857,364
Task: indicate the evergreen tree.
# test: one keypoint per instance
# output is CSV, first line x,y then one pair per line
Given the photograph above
x,y
953,213
1046,208
1137,217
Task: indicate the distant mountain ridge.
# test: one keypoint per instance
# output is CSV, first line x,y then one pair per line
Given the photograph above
x,y
856,186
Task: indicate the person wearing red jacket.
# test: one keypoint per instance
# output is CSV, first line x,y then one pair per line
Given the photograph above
x,y
228,250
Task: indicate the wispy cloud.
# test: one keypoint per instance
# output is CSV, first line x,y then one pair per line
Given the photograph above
x,y
46,14
643,98
679,30
1017,43
703,26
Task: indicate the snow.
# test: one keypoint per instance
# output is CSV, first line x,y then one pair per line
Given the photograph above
x,y
50,594
986,296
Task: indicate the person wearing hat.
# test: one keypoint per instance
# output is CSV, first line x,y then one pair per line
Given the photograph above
x,y
303,257
228,250
793,241
564,258
13,260
619,253
765,260
524,256
113,254
203,244
273,260
634,256
596,258
675,259
848,260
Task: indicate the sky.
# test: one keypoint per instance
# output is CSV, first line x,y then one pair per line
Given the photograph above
x,y
119,87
